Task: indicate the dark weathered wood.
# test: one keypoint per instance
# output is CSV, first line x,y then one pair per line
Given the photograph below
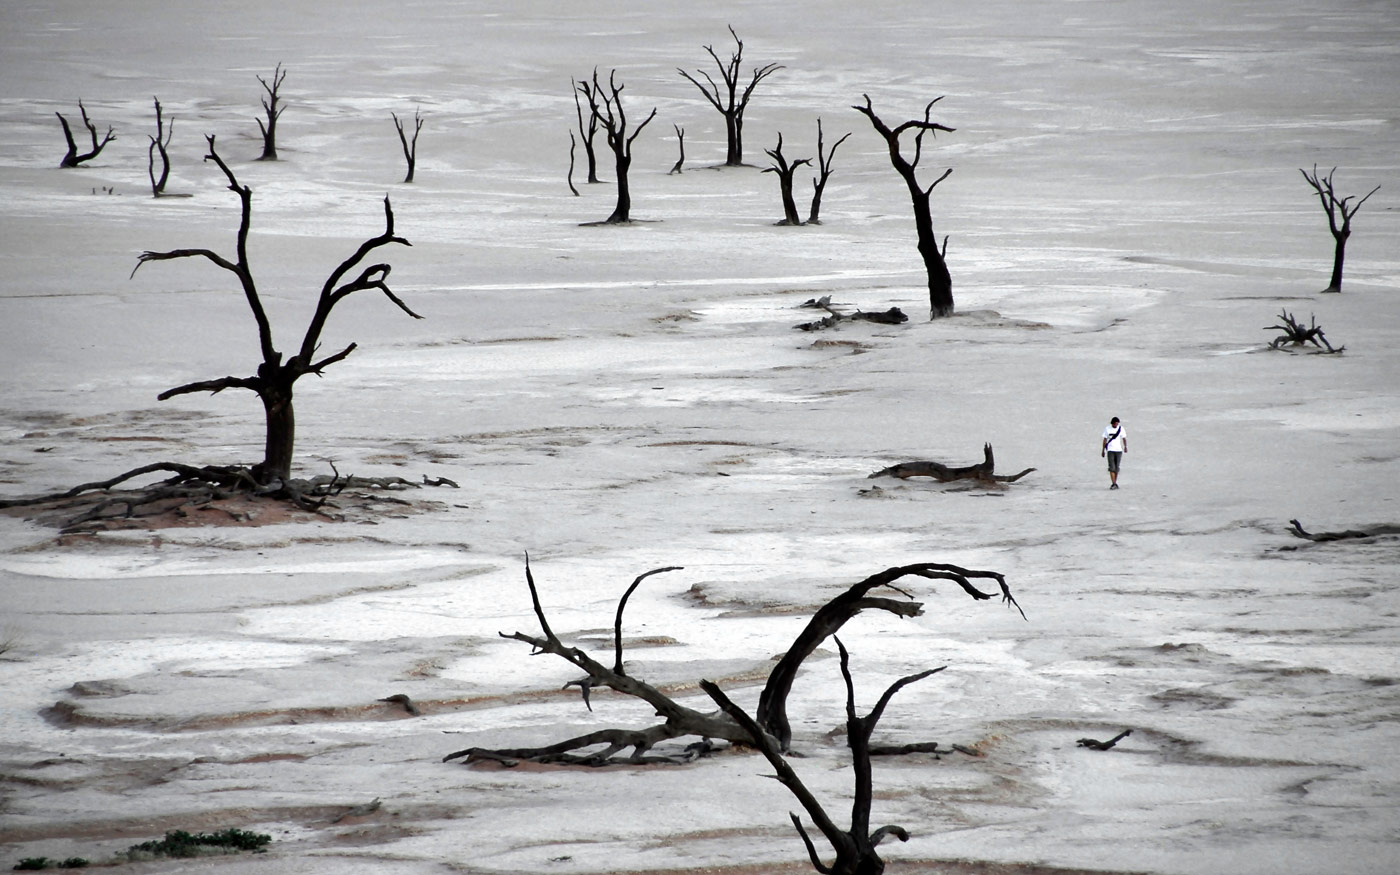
x,y
606,107
680,721
1348,534
1333,205
680,144
855,848
824,159
1095,744
828,620
728,100
410,147
159,143
587,131
892,316
986,470
1294,334
71,158
573,147
273,111
275,377
784,170
940,283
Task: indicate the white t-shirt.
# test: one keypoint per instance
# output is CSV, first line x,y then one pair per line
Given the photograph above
x,y
1116,436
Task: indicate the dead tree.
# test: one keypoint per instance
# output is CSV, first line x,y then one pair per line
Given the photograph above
x,y
1295,335
410,147
785,170
892,316
854,847
940,283
159,143
275,378
823,174
1346,535
986,471
573,147
1333,205
728,100
613,118
680,721
680,142
587,130
71,158
274,112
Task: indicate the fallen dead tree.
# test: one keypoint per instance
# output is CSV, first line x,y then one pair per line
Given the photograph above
x,y
601,747
89,505
892,316
1295,335
1372,531
945,474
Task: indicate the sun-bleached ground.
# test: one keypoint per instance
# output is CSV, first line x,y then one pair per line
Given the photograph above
x,y
1126,216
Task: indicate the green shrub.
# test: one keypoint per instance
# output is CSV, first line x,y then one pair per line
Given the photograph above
x,y
178,843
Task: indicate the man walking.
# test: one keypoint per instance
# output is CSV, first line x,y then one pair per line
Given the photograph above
x,y
1115,444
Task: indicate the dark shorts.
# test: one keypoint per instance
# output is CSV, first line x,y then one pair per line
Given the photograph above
x,y
1114,461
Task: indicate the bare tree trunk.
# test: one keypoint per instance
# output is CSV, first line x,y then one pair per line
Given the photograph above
x,y
280,437
273,111
159,143
824,159
680,140
410,149
573,147
784,172
587,131
940,283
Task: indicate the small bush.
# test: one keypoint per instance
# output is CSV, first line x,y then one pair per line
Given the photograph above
x,y
29,863
73,863
178,843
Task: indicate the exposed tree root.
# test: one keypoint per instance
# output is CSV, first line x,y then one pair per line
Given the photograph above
x,y
94,504
944,474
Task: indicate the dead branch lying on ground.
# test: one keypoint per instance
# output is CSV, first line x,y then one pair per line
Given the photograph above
x,y
944,474
1384,529
681,721
193,486
1294,335
892,316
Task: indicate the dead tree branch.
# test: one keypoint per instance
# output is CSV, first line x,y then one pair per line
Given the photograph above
x,y
892,316
680,143
410,147
824,159
71,158
854,847
1349,534
986,470
679,720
